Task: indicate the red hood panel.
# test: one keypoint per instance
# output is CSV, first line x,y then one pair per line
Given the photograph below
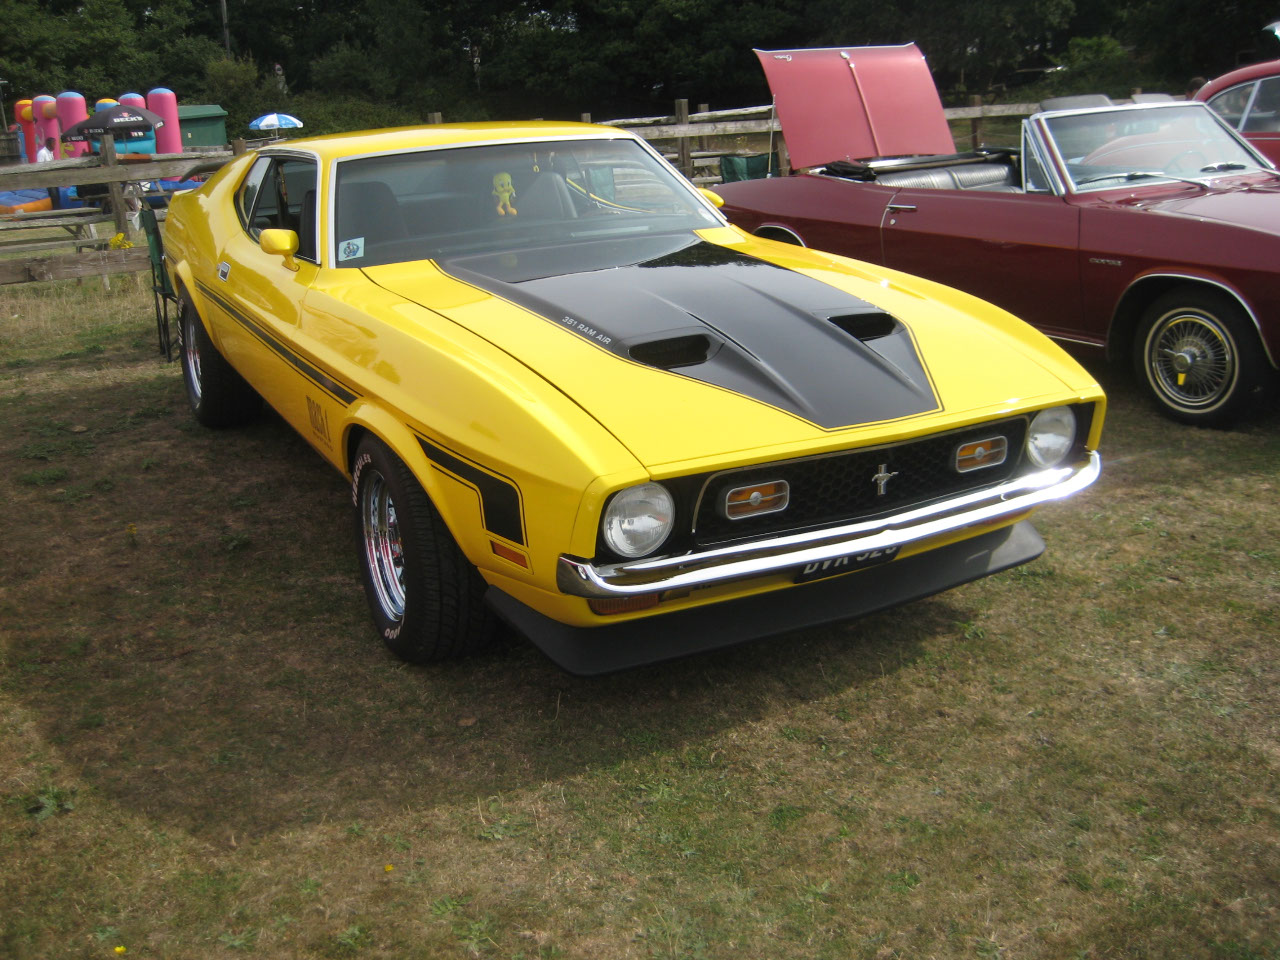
x,y
856,103
1257,207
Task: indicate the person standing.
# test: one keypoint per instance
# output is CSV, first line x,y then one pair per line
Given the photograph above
x,y
47,151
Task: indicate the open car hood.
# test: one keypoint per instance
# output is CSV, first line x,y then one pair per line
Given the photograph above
x,y
856,103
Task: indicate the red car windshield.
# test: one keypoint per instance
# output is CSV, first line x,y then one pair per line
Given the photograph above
x,y
1101,149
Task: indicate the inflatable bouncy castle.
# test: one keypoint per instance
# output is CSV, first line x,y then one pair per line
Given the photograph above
x,y
41,117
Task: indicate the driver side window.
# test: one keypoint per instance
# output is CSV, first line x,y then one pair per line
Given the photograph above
x,y
279,193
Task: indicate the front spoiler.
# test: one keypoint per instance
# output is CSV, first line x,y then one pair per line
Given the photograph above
x,y
593,650
758,558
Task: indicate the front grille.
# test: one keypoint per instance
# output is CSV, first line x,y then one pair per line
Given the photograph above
x,y
841,487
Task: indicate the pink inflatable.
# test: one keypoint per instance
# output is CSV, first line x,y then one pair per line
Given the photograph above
x,y
44,111
71,109
164,103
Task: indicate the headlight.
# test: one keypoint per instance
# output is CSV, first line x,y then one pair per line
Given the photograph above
x,y
638,519
1051,436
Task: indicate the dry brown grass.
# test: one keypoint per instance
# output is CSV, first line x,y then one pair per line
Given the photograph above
x,y
204,750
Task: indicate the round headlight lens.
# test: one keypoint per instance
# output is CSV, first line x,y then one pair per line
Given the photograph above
x,y
638,519
1051,436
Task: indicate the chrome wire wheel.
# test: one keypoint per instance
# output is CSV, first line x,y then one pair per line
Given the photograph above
x,y
383,547
191,355
1192,363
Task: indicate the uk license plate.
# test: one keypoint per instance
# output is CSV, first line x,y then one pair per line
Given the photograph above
x,y
846,564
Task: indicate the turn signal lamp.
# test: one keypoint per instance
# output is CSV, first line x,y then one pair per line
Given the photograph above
x,y
607,605
757,499
978,454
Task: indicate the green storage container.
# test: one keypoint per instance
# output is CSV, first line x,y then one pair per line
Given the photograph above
x,y
203,125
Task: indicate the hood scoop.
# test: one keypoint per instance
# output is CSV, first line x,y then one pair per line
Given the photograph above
x,y
866,326
672,352
710,313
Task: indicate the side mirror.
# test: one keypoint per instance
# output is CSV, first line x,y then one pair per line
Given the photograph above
x,y
280,243
715,198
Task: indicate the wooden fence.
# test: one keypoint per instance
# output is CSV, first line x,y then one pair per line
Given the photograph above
x,y
91,252
693,141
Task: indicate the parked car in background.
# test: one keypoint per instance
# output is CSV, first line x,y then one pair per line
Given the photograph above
x,y
569,395
1150,231
1249,100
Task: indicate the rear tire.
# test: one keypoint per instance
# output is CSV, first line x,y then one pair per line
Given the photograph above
x,y
219,397
1199,357
426,598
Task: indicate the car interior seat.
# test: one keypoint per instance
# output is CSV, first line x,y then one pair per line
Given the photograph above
x,y
369,209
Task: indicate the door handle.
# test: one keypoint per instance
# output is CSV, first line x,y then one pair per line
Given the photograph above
x,y
901,208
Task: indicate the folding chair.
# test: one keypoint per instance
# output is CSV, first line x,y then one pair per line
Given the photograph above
x,y
161,289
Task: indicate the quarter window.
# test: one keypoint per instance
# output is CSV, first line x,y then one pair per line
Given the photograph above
x,y
248,194
1264,112
1232,104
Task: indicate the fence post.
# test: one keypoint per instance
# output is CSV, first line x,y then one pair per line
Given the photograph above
x,y
585,118
703,143
115,189
975,125
435,117
684,155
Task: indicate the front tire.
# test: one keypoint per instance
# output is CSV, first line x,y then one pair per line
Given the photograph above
x,y
1199,357
426,598
219,397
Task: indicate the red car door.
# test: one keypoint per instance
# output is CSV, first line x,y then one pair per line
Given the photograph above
x,y
1019,251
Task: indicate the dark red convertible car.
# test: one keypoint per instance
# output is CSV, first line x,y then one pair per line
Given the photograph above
x,y
1149,230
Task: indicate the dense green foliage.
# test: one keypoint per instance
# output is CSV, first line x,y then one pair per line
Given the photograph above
x,y
350,64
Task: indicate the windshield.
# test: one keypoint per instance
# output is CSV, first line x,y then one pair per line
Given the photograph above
x,y
486,199
1103,148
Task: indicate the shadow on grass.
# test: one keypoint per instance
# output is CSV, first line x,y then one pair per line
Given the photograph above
x,y
188,625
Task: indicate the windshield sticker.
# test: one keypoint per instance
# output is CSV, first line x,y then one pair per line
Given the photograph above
x,y
351,249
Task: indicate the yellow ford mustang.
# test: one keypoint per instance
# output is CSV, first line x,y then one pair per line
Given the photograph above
x,y
570,397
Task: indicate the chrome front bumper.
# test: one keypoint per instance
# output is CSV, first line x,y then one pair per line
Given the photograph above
x,y
758,558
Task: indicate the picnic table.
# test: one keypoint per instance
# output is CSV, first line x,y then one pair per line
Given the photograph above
x,y
80,223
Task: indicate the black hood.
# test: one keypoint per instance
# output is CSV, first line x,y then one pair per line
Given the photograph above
x,y
712,314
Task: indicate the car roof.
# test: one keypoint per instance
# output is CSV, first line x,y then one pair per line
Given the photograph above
x,y
1255,71
856,103
336,146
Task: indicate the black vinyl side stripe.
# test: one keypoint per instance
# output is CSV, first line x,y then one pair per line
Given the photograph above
x,y
499,497
339,391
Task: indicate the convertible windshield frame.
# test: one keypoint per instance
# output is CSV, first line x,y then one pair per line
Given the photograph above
x,y
567,186
1107,147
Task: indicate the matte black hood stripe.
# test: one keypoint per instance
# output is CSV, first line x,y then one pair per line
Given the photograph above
x,y
703,311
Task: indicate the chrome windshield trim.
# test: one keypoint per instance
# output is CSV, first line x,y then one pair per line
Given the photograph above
x,y
743,561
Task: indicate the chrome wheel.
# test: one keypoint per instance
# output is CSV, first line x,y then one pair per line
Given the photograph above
x,y
191,356
383,548
1198,351
1192,362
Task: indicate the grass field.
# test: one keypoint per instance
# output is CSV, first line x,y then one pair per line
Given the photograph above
x,y
205,751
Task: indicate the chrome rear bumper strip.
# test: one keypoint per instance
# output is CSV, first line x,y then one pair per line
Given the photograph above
x,y
762,557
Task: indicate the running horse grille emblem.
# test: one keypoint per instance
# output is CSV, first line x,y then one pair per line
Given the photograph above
x,y
881,479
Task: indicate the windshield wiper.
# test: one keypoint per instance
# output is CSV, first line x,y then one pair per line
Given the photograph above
x,y
1141,175
1222,166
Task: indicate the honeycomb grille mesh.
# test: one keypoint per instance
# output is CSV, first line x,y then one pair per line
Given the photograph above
x,y
842,487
